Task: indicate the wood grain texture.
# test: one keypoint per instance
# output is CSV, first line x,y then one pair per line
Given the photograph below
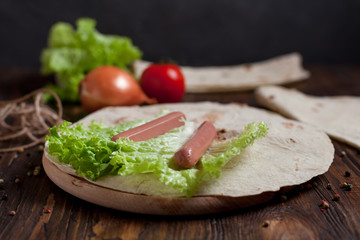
x,y
299,217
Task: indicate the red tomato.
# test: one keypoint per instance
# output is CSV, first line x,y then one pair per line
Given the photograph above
x,y
165,82
110,86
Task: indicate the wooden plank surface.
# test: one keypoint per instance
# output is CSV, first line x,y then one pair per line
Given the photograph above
x,y
299,217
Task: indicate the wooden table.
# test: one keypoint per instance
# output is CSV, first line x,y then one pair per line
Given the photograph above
x,y
299,217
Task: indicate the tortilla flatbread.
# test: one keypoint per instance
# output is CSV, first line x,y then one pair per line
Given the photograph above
x,y
290,154
279,70
338,116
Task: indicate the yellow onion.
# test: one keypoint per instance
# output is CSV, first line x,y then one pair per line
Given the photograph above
x,y
110,86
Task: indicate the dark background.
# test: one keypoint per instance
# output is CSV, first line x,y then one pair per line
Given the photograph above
x,y
196,32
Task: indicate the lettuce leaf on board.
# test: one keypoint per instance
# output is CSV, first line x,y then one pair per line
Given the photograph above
x,y
71,54
92,154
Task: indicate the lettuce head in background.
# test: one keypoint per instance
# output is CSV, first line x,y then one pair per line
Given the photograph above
x,y
72,53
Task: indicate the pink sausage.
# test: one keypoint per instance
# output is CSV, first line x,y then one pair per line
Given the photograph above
x,y
153,128
193,150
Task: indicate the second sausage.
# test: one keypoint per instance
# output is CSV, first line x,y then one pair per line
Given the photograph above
x,y
193,149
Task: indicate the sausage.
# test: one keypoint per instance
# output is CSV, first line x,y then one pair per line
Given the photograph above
x,y
193,149
153,128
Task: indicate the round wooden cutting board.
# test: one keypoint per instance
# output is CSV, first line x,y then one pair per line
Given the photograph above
x,y
290,154
148,204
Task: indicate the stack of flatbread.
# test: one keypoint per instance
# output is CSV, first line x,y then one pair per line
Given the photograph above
x,y
286,156
338,116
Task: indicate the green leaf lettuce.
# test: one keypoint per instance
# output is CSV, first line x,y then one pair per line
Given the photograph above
x,y
92,154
